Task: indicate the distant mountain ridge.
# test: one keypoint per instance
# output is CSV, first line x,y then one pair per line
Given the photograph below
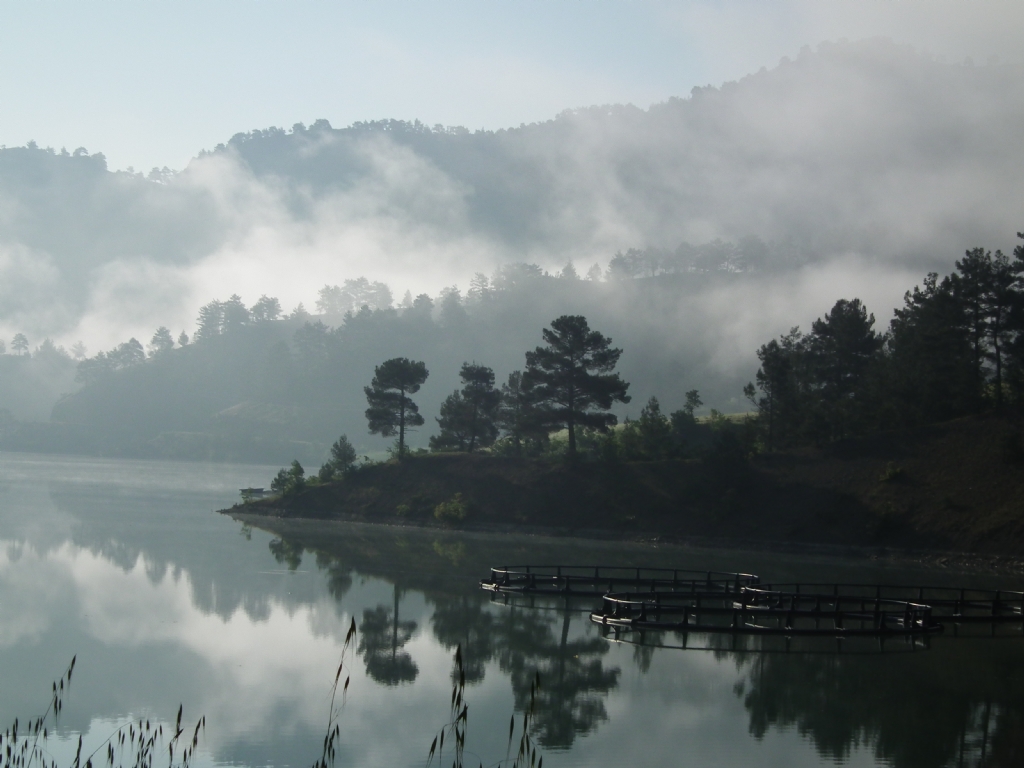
x,y
813,150
859,167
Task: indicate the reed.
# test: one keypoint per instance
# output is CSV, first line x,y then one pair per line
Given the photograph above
x,y
138,743
455,728
334,713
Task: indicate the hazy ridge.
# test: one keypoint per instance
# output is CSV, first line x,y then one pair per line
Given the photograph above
x,y
857,167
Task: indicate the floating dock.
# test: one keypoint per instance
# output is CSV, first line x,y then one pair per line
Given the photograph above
x,y
598,580
714,601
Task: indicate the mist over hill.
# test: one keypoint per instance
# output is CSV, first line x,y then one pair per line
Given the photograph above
x,y
849,171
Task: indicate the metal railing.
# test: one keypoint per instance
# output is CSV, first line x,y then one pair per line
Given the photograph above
x,y
758,611
950,603
597,580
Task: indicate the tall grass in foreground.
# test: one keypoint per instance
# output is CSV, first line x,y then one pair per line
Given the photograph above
x,y
134,743
459,718
138,743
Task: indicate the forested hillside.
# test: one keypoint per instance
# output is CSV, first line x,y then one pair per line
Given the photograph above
x,y
850,163
256,388
688,232
254,384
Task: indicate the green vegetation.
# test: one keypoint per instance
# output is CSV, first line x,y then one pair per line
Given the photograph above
x,y
343,459
820,399
255,385
954,349
451,511
571,378
469,417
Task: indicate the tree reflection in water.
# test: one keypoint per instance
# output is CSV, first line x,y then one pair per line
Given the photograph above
x,y
574,681
933,708
959,703
382,635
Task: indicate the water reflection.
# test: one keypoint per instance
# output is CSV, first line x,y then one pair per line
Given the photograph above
x,y
382,637
165,602
911,702
956,704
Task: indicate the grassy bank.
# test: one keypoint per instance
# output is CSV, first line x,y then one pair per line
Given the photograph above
x,y
957,486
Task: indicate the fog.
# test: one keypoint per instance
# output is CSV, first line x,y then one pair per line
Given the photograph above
x,y
860,166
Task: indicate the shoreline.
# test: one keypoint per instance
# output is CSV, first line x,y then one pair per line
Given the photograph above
x,y
929,559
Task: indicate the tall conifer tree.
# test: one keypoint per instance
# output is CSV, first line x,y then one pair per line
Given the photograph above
x,y
572,377
391,409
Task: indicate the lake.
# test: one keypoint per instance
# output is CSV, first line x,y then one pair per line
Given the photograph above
x,y
126,565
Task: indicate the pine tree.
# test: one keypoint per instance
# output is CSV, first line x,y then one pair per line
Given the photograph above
x,y
654,431
773,379
19,343
842,346
343,458
929,366
391,410
265,309
518,415
468,417
235,314
211,321
572,377
161,342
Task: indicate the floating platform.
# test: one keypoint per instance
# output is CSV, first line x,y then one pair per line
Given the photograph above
x,y
760,612
598,580
715,601
951,604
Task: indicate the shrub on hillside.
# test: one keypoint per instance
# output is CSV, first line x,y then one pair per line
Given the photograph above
x,y
451,511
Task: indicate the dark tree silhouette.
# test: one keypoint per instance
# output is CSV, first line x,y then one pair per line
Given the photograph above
x,y
572,377
654,431
455,420
234,313
517,413
211,320
343,457
930,373
774,381
382,636
467,418
391,411
842,346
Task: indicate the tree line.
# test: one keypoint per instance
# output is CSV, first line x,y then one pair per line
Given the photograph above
x,y
568,384
955,347
360,296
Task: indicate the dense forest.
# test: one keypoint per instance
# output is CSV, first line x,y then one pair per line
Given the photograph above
x,y
254,384
955,348
92,253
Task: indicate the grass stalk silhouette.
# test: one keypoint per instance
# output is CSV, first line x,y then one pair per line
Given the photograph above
x,y
138,743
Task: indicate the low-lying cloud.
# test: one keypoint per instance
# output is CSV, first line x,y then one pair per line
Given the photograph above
x,y
870,162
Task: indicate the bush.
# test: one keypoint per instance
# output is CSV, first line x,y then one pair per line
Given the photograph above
x,y
289,480
451,511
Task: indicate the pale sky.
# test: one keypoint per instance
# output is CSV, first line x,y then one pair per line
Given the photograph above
x,y
150,83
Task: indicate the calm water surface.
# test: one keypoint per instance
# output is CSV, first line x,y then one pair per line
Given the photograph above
x,y
164,602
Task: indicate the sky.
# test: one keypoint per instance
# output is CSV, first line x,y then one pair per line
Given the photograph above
x,y
150,83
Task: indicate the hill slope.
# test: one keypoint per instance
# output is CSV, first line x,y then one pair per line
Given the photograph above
x,y
867,148
957,486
